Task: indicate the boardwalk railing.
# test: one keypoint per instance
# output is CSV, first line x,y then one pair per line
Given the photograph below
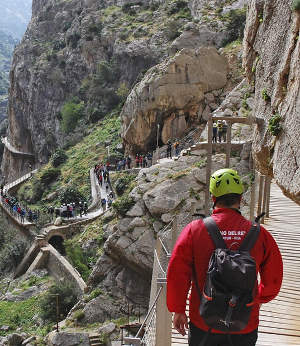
x,y
158,322
184,143
18,181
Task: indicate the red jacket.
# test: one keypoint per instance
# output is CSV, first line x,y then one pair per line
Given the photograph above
x,y
194,245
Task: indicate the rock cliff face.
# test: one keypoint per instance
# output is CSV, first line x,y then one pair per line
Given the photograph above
x,y
271,59
62,55
170,97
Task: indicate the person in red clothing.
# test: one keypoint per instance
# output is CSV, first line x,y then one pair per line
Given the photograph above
x,y
192,252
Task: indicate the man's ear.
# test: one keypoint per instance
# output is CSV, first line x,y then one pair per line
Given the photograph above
x,y
214,199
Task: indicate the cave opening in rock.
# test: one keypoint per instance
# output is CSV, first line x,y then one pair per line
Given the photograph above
x,y
57,242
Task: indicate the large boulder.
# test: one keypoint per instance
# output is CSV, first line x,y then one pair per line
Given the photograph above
x,y
68,339
169,97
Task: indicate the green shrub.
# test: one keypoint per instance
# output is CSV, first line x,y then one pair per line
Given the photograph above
x,y
95,114
11,253
177,6
235,25
78,315
58,45
122,92
66,300
58,157
95,28
67,26
107,72
172,29
70,194
275,124
49,175
71,112
73,40
77,258
264,95
94,294
296,5
37,190
123,204
123,183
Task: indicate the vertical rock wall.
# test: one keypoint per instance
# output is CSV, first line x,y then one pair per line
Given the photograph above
x,y
272,63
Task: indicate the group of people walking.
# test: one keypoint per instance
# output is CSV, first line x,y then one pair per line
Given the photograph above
x,y
124,163
219,131
102,173
143,160
15,208
69,210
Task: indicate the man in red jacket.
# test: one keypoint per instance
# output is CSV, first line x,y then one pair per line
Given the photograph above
x,y
192,252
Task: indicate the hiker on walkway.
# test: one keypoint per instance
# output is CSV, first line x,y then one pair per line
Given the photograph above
x,y
149,158
128,162
100,179
215,132
176,147
169,149
189,264
224,130
220,130
141,161
137,160
103,203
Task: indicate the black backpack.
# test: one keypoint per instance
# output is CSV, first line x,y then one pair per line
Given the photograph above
x,y
229,290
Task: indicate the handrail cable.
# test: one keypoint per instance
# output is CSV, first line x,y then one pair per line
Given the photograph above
x,y
149,312
160,266
163,246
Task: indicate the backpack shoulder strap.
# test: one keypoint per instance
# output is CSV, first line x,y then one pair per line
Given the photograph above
x,y
214,232
250,238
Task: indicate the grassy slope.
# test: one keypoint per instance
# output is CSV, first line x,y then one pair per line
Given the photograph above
x,y
81,157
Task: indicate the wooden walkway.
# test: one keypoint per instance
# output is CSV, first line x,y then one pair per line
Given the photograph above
x,y
279,319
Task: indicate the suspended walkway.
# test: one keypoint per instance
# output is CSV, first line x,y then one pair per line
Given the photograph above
x,y
14,150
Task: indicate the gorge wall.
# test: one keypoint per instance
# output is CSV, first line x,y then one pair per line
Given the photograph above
x,y
271,60
96,52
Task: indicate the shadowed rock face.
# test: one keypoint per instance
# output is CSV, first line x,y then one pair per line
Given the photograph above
x,y
169,96
271,59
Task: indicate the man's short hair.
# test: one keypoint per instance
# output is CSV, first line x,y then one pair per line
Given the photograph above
x,y
229,199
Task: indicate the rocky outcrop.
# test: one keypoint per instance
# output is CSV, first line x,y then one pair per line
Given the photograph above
x,y
271,59
67,339
169,97
163,191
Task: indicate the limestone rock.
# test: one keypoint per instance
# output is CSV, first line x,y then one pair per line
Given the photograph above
x,y
14,339
58,221
67,339
273,65
136,210
169,96
107,328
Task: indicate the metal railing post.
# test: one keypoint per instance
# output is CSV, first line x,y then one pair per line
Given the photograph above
x,y
265,196
208,162
253,196
163,332
268,197
228,145
260,193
